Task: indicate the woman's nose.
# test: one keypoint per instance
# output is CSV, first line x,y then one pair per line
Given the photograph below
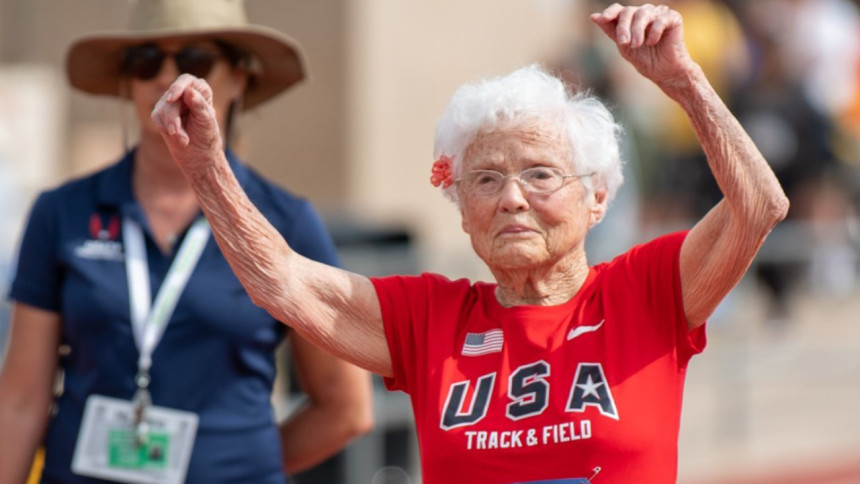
x,y
513,196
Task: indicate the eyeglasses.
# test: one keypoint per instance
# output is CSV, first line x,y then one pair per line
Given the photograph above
x,y
540,179
144,61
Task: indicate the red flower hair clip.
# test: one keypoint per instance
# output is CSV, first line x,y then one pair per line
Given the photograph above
x,y
442,172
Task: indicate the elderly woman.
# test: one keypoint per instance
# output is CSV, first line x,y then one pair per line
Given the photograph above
x,y
558,371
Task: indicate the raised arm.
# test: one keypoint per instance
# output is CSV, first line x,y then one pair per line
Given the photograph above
x,y
720,248
332,308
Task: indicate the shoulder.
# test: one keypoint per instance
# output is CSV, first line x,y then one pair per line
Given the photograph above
x,y
428,284
74,193
650,270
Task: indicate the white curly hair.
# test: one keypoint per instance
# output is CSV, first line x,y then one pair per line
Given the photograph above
x,y
524,96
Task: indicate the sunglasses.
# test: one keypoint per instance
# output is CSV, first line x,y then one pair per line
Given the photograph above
x,y
144,61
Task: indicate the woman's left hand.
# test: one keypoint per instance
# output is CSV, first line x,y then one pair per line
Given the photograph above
x,y
649,37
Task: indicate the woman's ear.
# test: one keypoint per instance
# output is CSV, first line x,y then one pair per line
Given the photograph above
x,y
598,207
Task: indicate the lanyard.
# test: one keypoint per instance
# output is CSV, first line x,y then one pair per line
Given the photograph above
x,y
149,319
148,322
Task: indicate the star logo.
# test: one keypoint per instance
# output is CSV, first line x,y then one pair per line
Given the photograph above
x,y
589,387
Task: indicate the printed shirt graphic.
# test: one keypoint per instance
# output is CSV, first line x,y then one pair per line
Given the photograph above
x,y
545,408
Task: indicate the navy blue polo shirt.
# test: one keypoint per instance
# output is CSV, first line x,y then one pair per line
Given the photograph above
x,y
216,357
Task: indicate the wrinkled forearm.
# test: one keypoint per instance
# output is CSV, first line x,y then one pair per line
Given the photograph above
x,y
749,185
720,248
256,251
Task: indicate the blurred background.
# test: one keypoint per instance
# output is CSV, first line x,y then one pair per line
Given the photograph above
x,y
774,398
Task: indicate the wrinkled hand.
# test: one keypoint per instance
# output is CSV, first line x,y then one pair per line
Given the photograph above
x,y
649,37
186,119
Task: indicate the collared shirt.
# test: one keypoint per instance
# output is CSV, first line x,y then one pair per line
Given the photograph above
x,y
216,357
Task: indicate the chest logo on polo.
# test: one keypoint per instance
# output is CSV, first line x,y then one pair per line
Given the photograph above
x,y
103,243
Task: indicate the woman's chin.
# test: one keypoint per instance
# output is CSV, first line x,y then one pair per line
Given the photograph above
x,y
517,257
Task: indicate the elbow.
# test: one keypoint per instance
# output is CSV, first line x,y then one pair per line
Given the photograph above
x,y
358,420
360,426
778,208
759,219
769,212
347,425
274,298
357,416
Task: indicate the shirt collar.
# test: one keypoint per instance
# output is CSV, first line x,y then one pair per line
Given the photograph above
x,y
114,189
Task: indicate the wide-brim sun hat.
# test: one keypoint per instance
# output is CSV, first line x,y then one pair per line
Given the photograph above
x,y
93,61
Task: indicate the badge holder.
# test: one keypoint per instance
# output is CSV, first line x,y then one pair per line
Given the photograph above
x,y
134,441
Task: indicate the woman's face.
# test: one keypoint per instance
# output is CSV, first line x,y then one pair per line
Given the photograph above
x,y
227,83
514,229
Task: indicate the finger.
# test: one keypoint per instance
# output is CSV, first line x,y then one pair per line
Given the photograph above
x,y
642,20
610,13
166,115
622,28
658,26
164,108
199,102
174,128
607,26
606,20
665,22
203,87
178,86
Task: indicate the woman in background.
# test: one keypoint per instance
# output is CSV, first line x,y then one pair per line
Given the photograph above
x,y
118,268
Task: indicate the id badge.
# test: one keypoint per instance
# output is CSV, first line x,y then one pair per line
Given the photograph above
x,y
107,447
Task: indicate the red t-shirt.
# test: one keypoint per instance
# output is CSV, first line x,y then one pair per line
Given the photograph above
x,y
546,393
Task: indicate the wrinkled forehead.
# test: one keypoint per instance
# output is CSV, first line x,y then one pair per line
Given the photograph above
x,y
507,145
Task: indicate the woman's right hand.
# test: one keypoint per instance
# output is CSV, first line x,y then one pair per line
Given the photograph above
x,y
649,37
187,121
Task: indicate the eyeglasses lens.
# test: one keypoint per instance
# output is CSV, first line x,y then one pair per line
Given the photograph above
x,y
534,180
197,61
144,61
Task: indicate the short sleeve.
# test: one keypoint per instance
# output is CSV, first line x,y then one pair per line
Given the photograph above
x,y
656,266
397,296
38,273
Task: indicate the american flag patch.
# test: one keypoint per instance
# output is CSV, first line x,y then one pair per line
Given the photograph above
x,y
483,343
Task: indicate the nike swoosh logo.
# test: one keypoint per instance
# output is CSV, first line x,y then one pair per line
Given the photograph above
x,y
580,330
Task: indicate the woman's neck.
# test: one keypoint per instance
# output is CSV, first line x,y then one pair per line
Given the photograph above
x,y
155,171
547,285
163,192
